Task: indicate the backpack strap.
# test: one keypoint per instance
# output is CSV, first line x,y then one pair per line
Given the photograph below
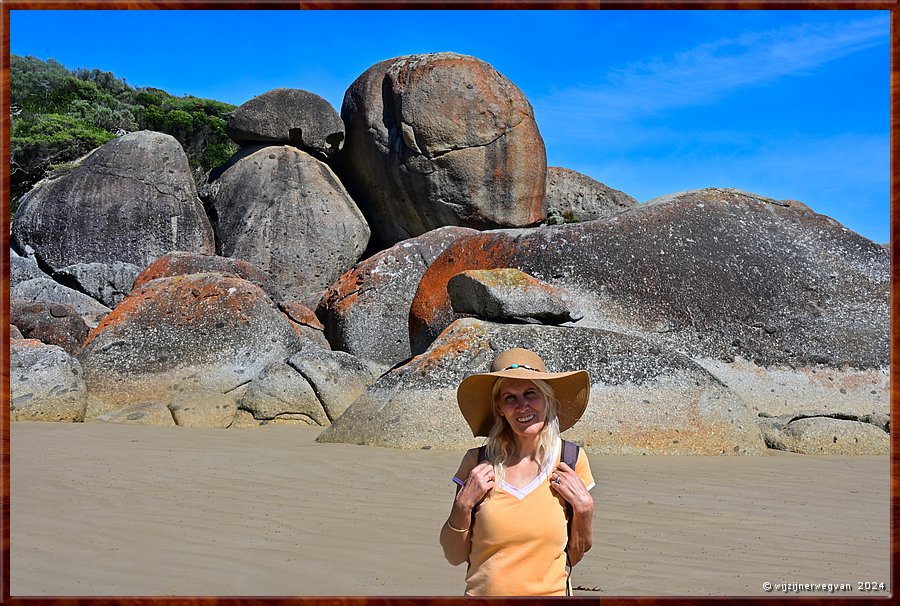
x,y
482,454
569,457
482,458
569,453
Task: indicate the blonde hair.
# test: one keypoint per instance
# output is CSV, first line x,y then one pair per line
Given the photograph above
x,y
501,442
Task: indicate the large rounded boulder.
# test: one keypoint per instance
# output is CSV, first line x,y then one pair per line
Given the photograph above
x,y
366,311
713,273
130,200
192,333
787,306
292,116
644,399
441,139
288,214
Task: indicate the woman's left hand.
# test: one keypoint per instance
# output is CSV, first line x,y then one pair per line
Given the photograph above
x,y
567,484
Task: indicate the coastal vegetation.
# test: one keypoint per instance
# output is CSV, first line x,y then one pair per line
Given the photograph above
x,y
57,115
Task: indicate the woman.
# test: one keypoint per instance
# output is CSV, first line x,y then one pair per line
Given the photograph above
x,y
509,520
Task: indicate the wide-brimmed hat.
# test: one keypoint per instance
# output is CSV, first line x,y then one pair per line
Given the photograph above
x,y
475,399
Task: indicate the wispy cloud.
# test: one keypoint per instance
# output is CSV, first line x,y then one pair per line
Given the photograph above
x,y
708,72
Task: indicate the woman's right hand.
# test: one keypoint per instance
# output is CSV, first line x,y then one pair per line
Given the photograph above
x,y
456,538
477,485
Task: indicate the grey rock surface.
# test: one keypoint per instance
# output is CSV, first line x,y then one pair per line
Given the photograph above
x,y
108,283
509,294
716,274
203,408
288,214
817,433
130,200
280,391
22,269
337,378
178,263
46,383
50,323
441,139
780,389
49,291
291,116
572,197
366,311
190,333
644,399
142,413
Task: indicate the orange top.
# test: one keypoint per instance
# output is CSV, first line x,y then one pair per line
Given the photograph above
x,y
519,536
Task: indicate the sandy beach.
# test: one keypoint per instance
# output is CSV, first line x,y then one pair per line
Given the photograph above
x,y
103,509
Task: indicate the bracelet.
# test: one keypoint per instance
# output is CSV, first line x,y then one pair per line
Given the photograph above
x,y
452,527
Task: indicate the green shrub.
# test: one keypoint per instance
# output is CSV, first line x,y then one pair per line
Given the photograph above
x,y
58,115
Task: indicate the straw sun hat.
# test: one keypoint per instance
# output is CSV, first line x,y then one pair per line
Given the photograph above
x,y
475,399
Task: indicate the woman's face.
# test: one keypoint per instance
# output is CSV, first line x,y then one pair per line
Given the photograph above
x,y
522,405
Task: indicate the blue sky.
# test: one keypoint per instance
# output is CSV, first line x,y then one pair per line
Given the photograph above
x,y
787,104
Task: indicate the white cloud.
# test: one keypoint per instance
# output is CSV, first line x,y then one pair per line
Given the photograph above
x,y
710,71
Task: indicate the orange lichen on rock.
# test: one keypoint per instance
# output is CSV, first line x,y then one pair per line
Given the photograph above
x,y
167,265
455,340
186,299
481,251
301,314
345,291
132,302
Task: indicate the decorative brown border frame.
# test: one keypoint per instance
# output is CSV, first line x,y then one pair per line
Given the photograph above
x,y
7,5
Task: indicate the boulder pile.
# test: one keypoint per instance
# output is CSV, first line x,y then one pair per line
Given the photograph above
x,y
349,270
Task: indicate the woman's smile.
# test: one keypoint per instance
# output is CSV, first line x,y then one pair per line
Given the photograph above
x,y
523,406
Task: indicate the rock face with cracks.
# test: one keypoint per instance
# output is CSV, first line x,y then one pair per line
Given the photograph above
x,y
366,311
106,282
441,139
711,273
292,116
130,200
22,269
644,399
46,383
190,333
288,214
